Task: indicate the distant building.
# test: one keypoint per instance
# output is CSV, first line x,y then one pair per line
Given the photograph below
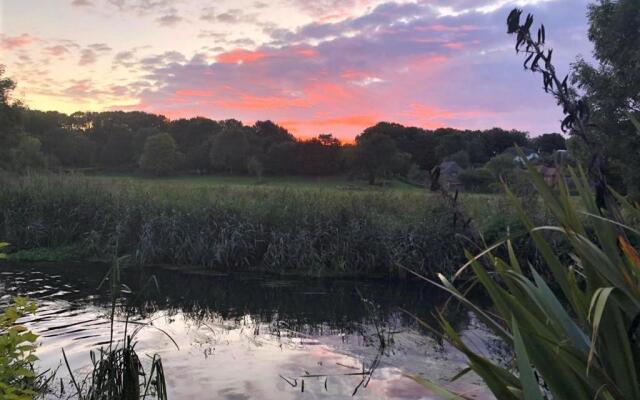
x,y
449,175
530,154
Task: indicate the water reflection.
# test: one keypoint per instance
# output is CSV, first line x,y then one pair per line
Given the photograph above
x,y
242,337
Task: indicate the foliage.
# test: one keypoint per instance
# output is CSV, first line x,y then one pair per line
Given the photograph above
x,y
501,165
304,230
574,342
230,149
612,85
114,141
27,155
63,253
255,167
159,156
477,179
574,334
549,142
461,157
375,154
17,347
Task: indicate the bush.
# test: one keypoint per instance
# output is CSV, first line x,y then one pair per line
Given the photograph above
x,y
476,179
18,380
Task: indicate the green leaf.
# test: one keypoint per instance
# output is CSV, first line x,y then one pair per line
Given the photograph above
x,y
530,387
437,390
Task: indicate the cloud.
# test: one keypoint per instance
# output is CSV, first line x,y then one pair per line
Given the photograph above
x,y
90,54
57,51
82,3
15,42
142,6
401,62
169,20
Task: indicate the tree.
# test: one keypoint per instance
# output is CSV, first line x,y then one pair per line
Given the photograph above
x,y
70,148
27,155
461,157
375,154
159,155
500,165
319,156
255,166
612,86
549,142
10,124
281,158
230,149
118,152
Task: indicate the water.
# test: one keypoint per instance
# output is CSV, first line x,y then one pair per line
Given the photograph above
x,y
254,337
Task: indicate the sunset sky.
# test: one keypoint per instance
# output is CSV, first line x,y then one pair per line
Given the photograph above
x,y
325,66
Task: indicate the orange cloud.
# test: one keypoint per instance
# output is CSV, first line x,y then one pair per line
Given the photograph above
x,y
352,122
240,56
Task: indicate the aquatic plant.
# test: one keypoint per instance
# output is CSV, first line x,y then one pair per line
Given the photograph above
x,y
117,372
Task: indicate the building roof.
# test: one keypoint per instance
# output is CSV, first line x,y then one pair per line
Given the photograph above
x,y
450,167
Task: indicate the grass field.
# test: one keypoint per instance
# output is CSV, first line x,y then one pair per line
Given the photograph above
x,y
327,226
297,182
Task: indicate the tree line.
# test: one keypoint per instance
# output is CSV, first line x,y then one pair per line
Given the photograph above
x,y
126,142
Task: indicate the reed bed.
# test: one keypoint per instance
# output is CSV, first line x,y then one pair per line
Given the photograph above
x,y
306,231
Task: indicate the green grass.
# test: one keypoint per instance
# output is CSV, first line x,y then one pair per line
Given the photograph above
x,y
296,182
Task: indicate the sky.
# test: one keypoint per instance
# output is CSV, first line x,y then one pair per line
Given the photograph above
x,y
322,66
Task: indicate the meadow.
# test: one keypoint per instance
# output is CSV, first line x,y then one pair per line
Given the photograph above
x,y
313,227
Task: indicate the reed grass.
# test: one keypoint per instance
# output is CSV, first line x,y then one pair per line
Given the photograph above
x,y
306,231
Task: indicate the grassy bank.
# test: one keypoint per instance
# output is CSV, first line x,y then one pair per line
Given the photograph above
x,y
326,229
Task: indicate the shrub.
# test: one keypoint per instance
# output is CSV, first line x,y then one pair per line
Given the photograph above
x,y
18,380
476,179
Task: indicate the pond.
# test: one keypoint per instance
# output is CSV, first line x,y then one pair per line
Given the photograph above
x,y
246,336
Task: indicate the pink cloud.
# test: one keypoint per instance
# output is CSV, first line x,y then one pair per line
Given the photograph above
x,y
56,51
16,42
194,93
239,56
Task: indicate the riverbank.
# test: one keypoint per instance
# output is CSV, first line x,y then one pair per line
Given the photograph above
x,y
291,230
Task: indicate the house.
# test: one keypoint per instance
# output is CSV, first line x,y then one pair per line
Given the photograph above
x,y
449,175
530,154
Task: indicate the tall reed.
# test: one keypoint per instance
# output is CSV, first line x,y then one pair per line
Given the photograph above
x,y
310,232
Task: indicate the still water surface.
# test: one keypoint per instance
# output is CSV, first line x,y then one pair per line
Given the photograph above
x,y
255,337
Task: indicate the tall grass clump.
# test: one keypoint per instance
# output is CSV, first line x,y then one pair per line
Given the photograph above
x,y
574,335
281,230
117,373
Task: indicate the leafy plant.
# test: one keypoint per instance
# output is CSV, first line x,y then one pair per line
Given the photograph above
x,y
18,380
577,336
